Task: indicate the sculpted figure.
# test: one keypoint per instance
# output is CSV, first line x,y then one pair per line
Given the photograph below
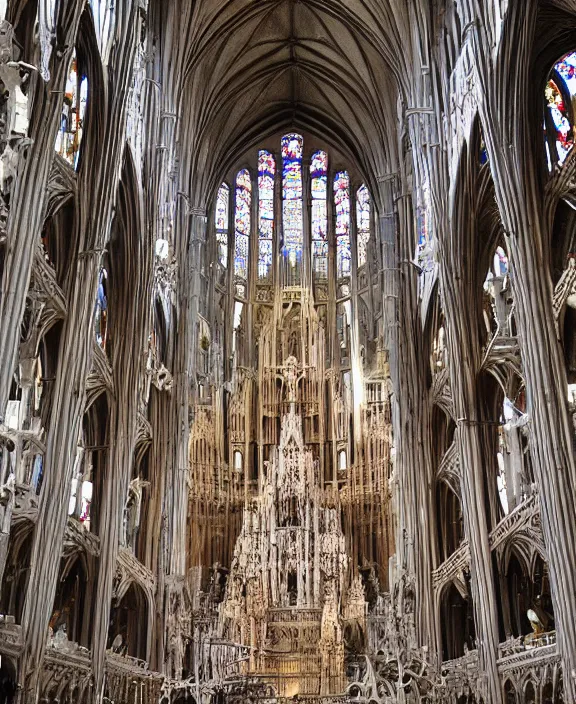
x,y
132,511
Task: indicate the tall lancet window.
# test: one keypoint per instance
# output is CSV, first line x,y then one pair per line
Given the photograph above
x,y
342,204
266,171
222,219
318,183
242,224
69,135
362,223
292,146
102,12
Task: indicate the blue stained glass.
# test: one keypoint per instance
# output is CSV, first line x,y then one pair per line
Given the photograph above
x,y
266,210
242,223
266,163
292,146
243,180
342,205
560,93
266,172
292,187
567,69
319,189
318,164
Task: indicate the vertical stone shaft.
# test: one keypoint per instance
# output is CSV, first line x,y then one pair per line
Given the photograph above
x,y
98,188
461,288
412,435
513,165
29,195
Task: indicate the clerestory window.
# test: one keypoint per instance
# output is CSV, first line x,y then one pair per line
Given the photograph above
x,y
289,217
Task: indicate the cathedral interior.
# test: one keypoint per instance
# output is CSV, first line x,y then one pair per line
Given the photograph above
x,y
287,351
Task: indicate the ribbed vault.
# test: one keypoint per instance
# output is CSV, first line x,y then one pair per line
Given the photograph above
x,y
254,68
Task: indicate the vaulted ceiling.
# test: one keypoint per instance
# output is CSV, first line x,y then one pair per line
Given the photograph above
x,y
255,67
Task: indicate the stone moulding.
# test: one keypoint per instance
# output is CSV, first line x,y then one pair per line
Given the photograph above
x,y
131,570
78,537
521,529
450,568
99,379
529,659
10,638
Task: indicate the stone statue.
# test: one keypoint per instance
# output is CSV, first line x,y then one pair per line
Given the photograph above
x,y
132,511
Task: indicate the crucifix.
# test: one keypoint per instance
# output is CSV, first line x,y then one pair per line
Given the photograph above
x,y
291,373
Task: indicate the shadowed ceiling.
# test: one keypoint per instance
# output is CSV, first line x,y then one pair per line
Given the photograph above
x,y
257,67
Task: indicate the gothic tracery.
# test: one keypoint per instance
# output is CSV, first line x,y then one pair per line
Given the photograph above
x,y
287,352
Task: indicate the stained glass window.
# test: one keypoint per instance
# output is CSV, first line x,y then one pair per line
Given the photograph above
x,y
69,136
560,92
342,205
483,152
101,312
362,222
292,146
222,216
242,223
266,171
318,185
560,118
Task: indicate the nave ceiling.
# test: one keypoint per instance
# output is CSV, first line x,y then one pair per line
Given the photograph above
x,y
254,69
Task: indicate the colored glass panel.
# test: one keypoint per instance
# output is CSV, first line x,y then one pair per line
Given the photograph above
x,y
221,217
266,172
342,205
560,118
560,93
242,223
319,190
567,69
292,146
362,223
